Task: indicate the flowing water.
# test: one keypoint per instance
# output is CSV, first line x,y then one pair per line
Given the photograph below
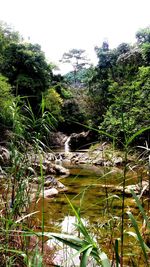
x,y
67,148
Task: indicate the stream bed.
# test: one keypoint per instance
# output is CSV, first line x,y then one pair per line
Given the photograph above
x,y
89,188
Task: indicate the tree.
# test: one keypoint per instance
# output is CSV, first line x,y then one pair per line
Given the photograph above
x,y
53,103
6,100
123,48
78,60
143,36
27,70
129,62
7,36
129,109
106,61
73,115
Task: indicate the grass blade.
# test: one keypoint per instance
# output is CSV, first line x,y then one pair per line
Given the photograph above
x,y
104,259
140,239
129,141
117,253
140,208
85,256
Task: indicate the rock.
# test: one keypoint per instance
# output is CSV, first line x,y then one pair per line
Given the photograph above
x,y
140,188
108,163
50,156
50,181
43,157
117,161
57,139
79,140
61,186
60,170
49,192
2,172
99,162
37,167
4,155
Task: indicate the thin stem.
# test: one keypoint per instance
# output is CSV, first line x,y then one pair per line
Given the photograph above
x,y
123,207
42,176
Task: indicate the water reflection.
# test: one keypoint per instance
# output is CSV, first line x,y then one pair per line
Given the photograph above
x,y
89,192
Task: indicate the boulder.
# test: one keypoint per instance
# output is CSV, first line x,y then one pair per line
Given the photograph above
x,y
81,140
57,139
49,192
51,186
46,163
60,170
50,181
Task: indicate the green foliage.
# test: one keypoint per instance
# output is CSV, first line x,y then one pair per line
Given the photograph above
x,y
85,246
26,69
53,103
119,88
130,101
146,53
66,93
143,35
7,36
73,114
24,65
6,100
79,62
137,234
83,77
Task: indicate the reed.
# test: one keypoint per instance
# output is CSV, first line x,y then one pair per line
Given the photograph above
x,y
22,245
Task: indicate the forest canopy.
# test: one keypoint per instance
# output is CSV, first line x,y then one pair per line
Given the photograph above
x,y
112,97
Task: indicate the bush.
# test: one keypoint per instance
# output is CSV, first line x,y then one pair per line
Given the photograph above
x,y
6,100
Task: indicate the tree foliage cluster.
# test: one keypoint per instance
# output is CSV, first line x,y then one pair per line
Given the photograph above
x,y
28,84
118,88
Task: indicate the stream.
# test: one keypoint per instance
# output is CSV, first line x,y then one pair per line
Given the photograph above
x,y
95,191
99,205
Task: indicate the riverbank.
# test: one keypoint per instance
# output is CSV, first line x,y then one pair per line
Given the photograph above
x,y
33,186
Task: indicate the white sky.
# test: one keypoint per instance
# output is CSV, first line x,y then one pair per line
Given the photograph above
x,y
60,25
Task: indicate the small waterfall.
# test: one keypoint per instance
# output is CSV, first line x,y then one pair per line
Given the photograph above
x,y
67,148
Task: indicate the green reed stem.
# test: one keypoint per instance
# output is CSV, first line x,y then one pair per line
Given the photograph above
x,y
42,177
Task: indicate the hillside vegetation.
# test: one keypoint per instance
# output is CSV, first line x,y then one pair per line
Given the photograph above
x,y
113,96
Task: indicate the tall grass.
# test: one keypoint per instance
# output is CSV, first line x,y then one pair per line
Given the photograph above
x,y
20,243
17,249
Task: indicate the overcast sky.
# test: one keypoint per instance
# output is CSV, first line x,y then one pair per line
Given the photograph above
x,y
60,25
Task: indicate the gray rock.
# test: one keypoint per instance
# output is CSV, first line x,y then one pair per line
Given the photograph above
x,y
4,155
60,170
117,161
140,188
78,140
49,192
57,139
